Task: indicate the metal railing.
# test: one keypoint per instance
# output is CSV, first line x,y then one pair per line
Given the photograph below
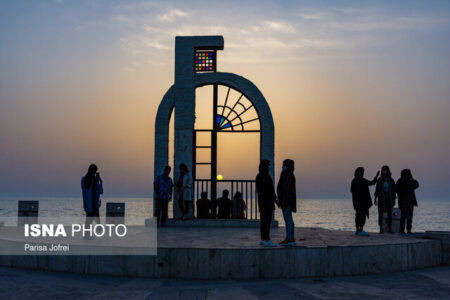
x,y
246,187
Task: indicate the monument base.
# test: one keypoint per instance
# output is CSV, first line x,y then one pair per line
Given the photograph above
x,y
234,253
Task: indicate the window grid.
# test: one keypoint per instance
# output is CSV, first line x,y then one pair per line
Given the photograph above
x,y
205,61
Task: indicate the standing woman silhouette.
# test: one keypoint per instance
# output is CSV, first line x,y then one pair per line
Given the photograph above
x,y
266,202
92,188
385,193
287,198
361,199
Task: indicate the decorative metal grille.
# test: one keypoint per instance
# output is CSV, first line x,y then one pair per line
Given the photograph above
x,y
205,61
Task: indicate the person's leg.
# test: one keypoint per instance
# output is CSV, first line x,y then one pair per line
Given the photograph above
x,y
88,223
262,225
187,207
266,217
409,218
287,213
286,222
380,215
164,209
389,216
158,210
402,220
97,215
88,220
269,222
359,220
363,219
292,226
266,226
181,205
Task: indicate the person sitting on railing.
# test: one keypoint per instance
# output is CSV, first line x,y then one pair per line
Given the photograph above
x,y
238,206
203,206
224,203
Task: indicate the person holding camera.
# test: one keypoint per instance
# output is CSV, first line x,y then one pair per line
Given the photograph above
x,y
92,188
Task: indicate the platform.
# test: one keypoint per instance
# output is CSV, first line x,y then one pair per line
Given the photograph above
x,y
234,253
215,223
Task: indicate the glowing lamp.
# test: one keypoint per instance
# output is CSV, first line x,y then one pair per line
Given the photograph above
x,y
219,177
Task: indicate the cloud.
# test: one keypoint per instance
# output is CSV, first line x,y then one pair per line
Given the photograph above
x,y
300,35
121,18
311,16
171,15
151,43
278,26
383,22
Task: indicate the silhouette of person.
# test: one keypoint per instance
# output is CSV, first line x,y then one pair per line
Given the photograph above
x,y
224,204
361,198
385,193
184,189
163,186
406,186
203,206
239,206
266,202
92,188
287,199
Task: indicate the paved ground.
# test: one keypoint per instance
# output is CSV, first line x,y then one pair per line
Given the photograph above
x,y
431,283
241,238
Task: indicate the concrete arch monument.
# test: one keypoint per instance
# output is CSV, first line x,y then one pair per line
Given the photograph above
x,y
195,66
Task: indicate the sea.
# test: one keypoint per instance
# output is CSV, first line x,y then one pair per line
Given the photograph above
x,y
336,214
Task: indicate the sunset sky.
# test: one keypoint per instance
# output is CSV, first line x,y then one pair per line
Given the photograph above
x,y
350,83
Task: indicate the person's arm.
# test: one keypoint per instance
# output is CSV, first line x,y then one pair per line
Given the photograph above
x,y
371,182
279,185
377,191
171,190
415,184
83,192
99,185
374,180
188,184
272,189
295,186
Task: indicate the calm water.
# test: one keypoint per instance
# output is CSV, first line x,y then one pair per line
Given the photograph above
x,y
326,213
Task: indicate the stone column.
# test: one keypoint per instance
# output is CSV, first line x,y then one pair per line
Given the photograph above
x,y
184,95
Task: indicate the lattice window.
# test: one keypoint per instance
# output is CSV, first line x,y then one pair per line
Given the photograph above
x,y
205,61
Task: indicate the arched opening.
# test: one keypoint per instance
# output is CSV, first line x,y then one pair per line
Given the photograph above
x,y
226,138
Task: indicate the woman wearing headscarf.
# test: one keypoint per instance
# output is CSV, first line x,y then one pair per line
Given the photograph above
x,y
362,200
287,199
385,193
406,187
92,188
266,202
